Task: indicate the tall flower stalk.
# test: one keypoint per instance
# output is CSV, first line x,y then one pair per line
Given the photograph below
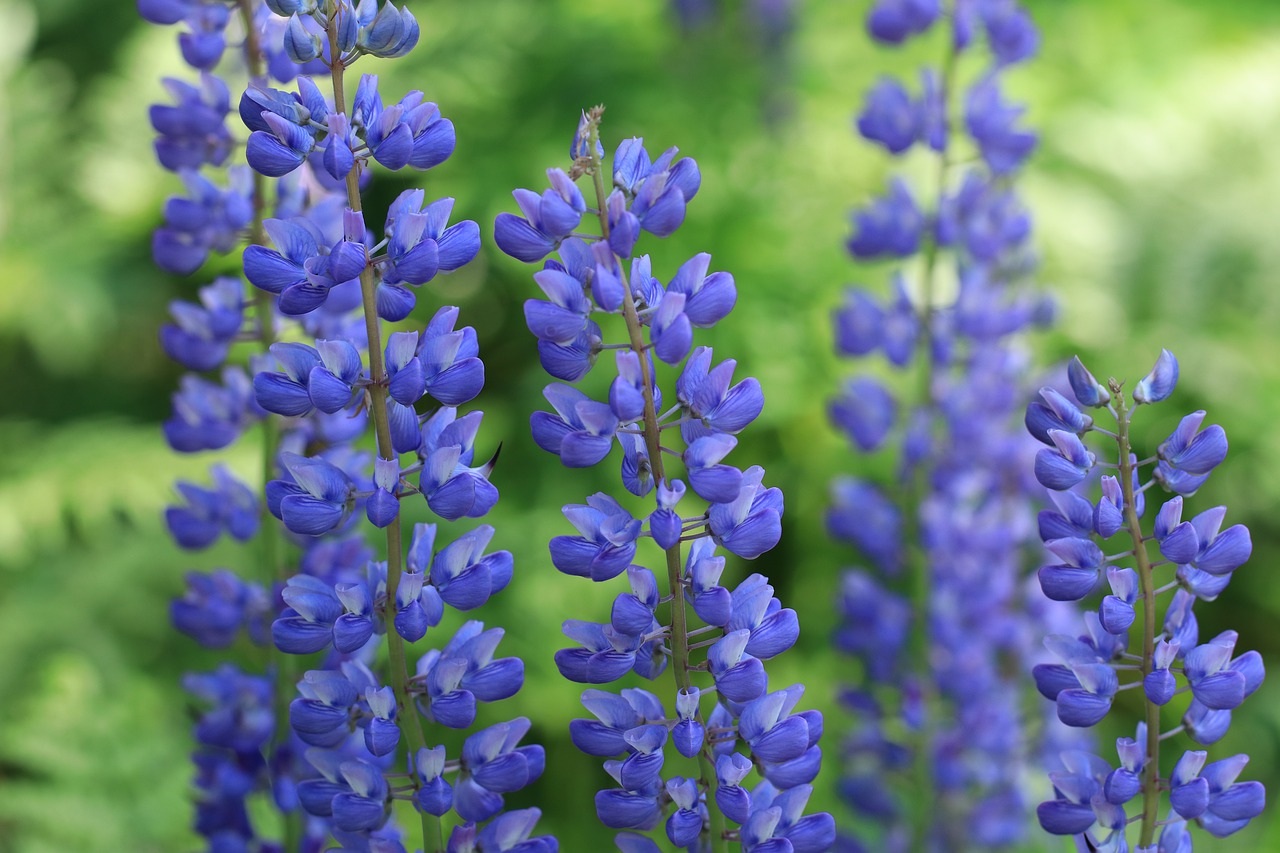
x,y
245,749
325,286
345,270
937,616
604,300
1188,561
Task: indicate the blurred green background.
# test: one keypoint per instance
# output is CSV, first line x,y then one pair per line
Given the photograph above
x,y
1156,193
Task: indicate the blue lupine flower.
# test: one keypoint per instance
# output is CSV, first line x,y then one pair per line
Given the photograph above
x,y
991,123
217,606
464,576
1159,383
193,131
229,506
1116,611
285,269
1077,575
753,608
891,225
615,715
1054,411
865,517
202,334
509,831
281,148
382,735
711,480
240,717
452,372
464,673
565,316
1064,465
684,825
606,655
780,815
890,117
492,765
306,624
714,403
1189,455
866,411
607,542
420,244
389,34
751,523
208,416
548,219
1087,389
321,716
287,392
892,21
862,326
989,221
708,298
738,676
356,626
331,383
366,805
1010,32
658,190
320,497
1232,804
208,219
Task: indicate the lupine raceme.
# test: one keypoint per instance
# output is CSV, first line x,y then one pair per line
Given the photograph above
x,y
713,758
245,749
937,749
359,730
1160,567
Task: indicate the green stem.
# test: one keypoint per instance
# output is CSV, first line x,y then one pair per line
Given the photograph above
x,y
411,723
274,569
1151,767
653,443
921,586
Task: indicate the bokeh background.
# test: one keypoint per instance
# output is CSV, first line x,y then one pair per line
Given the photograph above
x,y
1156,193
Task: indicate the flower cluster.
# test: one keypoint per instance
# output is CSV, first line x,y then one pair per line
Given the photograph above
x,y
731,725
243,748
324,374
1090,794
938,609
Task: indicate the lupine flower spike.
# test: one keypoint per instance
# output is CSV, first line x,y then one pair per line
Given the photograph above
x,y
680,756
245,749
355,739
1112,804
937,751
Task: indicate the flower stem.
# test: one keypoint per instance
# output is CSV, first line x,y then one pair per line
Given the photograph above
x,y
653,442
432,830
1151,767
921,586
